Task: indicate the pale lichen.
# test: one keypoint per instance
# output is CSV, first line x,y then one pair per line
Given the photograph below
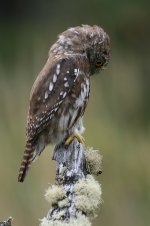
x,y
81,220
59,215
63,203
88,195
94,160
55,193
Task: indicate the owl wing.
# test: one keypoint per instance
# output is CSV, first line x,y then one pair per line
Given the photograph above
x,y
48,93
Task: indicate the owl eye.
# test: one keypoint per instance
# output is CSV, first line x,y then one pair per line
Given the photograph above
x,y
99,62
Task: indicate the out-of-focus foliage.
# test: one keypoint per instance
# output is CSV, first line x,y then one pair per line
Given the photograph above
x,y
117,119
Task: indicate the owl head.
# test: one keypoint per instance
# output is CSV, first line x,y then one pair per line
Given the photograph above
x,y
97,48
87,41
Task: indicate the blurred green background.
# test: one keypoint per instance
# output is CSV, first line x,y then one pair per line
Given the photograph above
x,y
117,119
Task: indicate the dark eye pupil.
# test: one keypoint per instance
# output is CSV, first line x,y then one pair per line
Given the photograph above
x,y
99,63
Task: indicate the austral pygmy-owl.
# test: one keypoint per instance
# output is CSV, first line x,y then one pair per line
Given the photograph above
x,y
61,90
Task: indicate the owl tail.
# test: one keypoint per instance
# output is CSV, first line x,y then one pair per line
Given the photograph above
x,y
27,160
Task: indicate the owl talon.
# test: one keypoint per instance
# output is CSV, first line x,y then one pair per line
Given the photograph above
x,y
75,135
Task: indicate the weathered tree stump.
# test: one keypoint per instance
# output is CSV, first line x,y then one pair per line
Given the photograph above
x,y
76,194
7,222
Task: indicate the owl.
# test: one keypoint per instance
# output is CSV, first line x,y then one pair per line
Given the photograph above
x,y
60,92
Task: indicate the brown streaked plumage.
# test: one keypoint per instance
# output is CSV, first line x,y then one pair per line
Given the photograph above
x,y
61,91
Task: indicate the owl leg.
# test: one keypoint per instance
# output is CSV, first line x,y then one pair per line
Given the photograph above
x,y
75,135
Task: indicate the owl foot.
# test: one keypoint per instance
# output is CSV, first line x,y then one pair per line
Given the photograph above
x,y
75,135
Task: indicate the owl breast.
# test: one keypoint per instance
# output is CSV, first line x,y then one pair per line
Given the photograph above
x,y
70,114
